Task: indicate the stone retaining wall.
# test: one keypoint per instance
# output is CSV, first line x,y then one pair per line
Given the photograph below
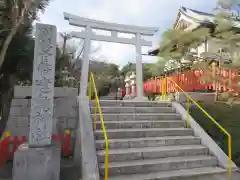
x,y
197,96
65,111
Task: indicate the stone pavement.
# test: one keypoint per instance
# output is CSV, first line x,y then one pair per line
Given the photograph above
x,y
68,171
236,176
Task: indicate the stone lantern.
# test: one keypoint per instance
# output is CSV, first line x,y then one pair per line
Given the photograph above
x,y
127,86
65,75
133,84
71,81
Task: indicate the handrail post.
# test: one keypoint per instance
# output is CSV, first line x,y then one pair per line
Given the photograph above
x,y
230,157
188,112
106,161
189,99
164,88
165,91
90,89
95,115
98,107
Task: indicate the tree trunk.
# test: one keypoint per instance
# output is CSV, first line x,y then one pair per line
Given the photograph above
x,y
64,45
7,83
14,31
8,41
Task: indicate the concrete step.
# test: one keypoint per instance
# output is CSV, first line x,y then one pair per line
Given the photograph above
x,y
117,155
156,165
144,132
109,98
130,103
205,173
124,109
148,142
141,124
140,116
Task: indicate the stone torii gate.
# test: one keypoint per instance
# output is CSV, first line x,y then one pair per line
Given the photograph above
x,y
88,35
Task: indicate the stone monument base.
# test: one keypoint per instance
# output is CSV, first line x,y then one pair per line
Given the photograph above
x,y
36,163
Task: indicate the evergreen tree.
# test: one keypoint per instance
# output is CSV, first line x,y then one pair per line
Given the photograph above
x,y
224,29
15,48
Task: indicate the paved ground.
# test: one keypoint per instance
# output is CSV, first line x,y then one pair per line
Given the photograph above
x,y
68,171
6,171
236,176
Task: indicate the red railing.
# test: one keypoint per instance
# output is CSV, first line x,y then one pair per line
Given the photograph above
x,y
191,81
9,145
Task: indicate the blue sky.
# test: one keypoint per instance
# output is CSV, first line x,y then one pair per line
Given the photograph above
x,y
156,13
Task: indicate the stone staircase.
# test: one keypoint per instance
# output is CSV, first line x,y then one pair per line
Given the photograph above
x,y
110,96
150,141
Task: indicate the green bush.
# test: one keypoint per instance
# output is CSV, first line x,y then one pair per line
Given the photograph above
x,y
152,96
228,117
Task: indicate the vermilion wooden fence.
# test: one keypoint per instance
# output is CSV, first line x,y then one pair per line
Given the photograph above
x,y
9,145
191,81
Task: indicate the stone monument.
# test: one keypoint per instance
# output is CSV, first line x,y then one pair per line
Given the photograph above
x,y
40,159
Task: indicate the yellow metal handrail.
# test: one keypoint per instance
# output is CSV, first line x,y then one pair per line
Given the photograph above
x,y
93,90
189,99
